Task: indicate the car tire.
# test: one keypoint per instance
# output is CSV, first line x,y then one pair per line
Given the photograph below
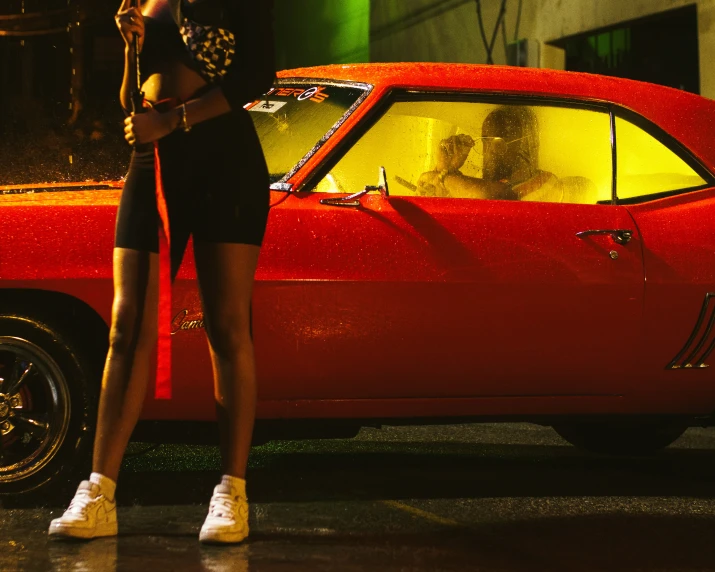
x,y
47,415
630,437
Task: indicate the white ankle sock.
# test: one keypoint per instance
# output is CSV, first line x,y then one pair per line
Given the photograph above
x,y
238,484
106,485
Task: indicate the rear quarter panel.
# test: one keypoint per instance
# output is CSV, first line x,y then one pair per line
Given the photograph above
x,y
678,236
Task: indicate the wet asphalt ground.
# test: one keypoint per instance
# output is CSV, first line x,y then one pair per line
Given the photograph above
x,y
511,497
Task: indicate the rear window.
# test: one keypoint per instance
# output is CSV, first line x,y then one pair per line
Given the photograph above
x,y
647,167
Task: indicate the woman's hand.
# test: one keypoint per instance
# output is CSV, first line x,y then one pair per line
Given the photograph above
x,y
130,21
149,126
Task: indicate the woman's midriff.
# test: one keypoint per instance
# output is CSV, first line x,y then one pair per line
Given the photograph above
x,y
175,81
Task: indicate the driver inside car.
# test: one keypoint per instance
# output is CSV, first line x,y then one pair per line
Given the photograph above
x,y
510,171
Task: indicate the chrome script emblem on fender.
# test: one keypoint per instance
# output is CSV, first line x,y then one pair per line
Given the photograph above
x,y
181,323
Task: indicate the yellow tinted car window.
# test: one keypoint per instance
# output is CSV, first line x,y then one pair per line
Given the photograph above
x,y
646,166
480,150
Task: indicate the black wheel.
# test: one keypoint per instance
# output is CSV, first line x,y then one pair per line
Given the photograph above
x,y
48,401
627,437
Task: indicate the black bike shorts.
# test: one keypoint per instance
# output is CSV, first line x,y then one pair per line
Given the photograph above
x,y
215,182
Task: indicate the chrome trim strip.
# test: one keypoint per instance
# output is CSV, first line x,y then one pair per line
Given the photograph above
x,y
706,354
614,159
354,199
281,187
701,343
367,90
60,189
698,324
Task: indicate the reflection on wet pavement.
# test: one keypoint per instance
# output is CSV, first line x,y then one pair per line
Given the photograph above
x,y
478,497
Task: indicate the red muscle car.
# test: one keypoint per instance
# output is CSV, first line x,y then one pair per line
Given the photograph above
x,y
446,242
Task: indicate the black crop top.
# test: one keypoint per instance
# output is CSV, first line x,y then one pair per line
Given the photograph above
x,y
228,42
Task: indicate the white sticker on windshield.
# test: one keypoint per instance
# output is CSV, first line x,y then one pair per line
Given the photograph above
x,y
267,106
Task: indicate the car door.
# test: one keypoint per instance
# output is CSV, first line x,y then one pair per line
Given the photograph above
x,y
525,286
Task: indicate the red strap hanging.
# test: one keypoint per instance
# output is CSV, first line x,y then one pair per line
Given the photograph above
x,y
163,356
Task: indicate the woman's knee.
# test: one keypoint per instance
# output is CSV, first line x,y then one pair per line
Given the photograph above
x,y
130,331
229,335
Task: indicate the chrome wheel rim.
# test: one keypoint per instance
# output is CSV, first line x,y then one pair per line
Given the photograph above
x,y
34,408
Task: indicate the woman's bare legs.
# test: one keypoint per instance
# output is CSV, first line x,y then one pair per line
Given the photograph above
x,y
92,512
131,342
225,274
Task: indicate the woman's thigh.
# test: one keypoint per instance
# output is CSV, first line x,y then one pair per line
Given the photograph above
x,y
136,295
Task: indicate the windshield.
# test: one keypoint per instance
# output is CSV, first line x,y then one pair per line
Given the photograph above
x,y
294,119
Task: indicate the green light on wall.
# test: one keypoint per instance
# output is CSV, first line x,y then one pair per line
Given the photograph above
x,y
611,47
317,32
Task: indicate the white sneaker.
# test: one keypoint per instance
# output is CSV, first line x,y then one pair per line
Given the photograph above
x,y
89,515
227,521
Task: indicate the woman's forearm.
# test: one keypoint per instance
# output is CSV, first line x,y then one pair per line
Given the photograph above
x,y
125,92
153,125
212,104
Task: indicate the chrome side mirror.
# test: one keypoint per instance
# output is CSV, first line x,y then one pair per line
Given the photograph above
x,y
382,183
354,199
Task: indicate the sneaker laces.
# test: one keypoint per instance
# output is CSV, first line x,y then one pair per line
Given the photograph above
x,y
222,506
79,503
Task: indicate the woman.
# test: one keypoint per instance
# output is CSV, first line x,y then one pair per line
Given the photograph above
x,y
202,61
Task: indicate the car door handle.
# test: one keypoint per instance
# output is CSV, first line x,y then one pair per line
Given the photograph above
x,y
619,235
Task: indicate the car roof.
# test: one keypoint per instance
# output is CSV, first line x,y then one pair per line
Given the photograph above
x,y
688,117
